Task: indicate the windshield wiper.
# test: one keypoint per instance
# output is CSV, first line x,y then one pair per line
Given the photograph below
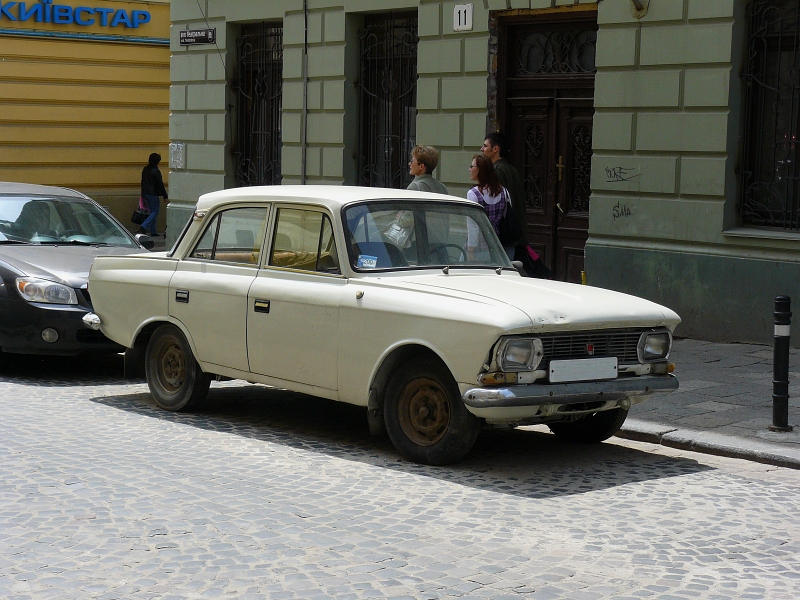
x,y
84,243
68,242
13,242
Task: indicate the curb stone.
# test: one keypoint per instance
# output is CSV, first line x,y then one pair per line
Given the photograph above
x,y
710,443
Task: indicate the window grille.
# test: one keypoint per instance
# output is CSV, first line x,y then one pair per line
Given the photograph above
x,y
388,99
258,88
770,195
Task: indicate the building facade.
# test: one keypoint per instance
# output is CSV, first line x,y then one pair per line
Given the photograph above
x,y
84,92
654,158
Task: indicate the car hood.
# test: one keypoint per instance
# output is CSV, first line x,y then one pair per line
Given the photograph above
x,y
569,306
64,264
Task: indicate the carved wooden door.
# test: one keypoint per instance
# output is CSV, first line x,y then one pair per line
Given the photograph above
x,y
546,90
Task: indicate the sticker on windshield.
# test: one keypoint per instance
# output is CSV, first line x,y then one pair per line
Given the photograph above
x,y
367,262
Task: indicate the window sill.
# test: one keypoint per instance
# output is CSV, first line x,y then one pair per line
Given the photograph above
x,y
762,233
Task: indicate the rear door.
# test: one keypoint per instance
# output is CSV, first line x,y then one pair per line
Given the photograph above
x,y
293,305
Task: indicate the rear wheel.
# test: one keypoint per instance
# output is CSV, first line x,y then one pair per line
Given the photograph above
x,y
173,375
591,429
425,416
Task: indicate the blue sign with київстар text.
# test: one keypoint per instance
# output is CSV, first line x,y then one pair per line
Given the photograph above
x,y
61,14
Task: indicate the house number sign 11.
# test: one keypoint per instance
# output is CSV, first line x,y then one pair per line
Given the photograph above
x,y
462,17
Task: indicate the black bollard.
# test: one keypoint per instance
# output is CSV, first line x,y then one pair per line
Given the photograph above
x,y
780,365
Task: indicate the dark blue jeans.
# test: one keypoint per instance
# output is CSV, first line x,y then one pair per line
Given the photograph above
x,y
150,222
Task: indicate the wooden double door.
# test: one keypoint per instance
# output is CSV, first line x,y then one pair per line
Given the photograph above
x,y
546,105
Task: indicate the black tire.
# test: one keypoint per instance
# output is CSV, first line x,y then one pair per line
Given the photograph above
x,y
425,416
591,429
175,379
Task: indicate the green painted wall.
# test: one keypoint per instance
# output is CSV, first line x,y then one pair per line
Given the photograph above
x,y
663,220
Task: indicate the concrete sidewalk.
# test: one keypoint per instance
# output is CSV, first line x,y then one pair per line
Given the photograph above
x,y
723,405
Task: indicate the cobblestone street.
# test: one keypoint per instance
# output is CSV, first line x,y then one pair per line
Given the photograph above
x,y
265,494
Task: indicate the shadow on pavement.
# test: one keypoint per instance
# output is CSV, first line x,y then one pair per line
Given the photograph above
x,y
522,462
62,371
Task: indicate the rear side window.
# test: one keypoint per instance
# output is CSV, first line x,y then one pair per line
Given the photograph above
x,y
304,240
235,236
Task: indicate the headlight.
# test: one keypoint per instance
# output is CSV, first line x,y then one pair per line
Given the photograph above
x,y
654,346
520,354
33,289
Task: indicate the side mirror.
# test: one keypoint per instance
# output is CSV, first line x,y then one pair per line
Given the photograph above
x,y
518,266
145,240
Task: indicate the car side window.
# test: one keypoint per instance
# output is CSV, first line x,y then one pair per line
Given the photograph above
x,y
235,235
304,240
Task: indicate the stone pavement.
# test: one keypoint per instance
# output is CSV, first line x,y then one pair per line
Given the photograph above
x,y
265,494
723,405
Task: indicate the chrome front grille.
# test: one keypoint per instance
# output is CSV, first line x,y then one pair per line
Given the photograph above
x,y
621,343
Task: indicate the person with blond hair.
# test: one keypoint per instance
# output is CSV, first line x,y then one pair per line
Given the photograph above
x,y
424,160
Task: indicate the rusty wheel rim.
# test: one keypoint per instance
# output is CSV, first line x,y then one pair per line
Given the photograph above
x,y
172,366
424,411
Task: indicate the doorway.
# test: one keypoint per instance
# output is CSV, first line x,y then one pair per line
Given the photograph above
x,y
545,104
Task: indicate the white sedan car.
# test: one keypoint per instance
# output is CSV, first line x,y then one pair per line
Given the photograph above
x,y
402,302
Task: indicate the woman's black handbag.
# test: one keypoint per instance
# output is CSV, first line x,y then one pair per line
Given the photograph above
x,y
509,229
139,216
141,213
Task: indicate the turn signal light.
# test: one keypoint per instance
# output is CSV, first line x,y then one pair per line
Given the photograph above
x,y
497,378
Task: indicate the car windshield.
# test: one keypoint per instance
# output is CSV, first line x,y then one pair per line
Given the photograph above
x,y
58,220
398,235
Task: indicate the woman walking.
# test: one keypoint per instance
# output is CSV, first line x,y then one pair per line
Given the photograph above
x,y
492,196
152,188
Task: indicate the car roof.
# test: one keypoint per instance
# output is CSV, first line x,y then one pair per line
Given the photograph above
x,y
330,196
10,187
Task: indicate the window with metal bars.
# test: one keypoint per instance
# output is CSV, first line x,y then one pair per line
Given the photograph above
x,y
387,99
770,194
258,85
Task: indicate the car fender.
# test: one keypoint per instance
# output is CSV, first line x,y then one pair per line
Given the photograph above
x,y
392,356
147,327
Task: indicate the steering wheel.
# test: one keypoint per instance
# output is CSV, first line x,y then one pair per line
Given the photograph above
x,y
439,248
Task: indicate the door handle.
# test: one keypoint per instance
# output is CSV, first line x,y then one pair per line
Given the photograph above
x,y
560,166
558,205
261,306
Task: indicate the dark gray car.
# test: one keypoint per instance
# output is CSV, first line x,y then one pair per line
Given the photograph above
x,y
49,237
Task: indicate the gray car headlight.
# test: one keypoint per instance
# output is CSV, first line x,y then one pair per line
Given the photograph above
x,y
34,289
654,346
520,354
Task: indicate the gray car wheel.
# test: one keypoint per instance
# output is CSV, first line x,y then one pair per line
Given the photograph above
x,y
175,379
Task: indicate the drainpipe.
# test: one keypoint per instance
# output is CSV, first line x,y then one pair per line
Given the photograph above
x,y
304,120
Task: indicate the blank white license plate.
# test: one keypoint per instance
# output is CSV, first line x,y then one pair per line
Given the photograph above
x,y
585,369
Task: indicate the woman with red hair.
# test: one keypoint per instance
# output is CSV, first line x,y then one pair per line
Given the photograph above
x,y
492,196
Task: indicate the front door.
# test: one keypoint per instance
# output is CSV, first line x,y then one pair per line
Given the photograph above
x,y
546,85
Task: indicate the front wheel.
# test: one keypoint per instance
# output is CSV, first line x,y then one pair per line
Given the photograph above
x,y
591,429
175,379
425,416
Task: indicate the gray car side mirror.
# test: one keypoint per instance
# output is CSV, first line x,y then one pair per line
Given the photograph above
x,y
145,240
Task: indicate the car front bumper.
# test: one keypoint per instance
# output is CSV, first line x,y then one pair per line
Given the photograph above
x,y
22,323
554,401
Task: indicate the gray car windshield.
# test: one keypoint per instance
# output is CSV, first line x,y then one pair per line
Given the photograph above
x,y
58,220
398,235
